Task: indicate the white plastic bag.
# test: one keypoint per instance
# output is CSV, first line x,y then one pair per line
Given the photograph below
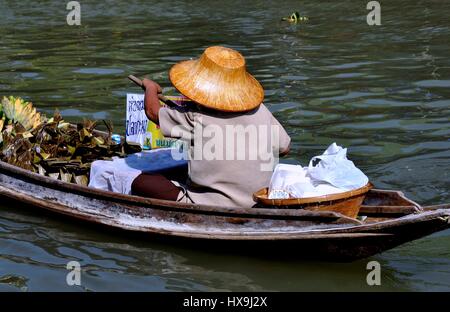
x,y
334,168
329,173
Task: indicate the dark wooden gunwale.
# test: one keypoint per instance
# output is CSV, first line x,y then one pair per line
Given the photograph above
x,y
352,230
168,205
214,210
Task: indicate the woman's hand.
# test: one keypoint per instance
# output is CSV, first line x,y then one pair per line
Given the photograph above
x,y
150,85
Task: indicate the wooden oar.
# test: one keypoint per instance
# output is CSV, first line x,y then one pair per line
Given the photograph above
x,y
138,82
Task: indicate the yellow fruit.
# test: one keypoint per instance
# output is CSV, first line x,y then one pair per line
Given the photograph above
x,y
17,110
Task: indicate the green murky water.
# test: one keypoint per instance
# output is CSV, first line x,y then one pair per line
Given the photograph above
x,y
382,91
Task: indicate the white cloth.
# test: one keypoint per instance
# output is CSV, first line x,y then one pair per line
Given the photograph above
x,y
329,173
118,174
293,181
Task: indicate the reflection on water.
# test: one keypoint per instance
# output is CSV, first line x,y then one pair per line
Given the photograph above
x,y
382,91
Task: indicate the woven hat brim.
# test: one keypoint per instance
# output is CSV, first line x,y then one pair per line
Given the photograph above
x,y
216,91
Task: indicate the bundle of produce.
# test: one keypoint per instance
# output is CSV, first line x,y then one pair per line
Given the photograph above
x,y
54,147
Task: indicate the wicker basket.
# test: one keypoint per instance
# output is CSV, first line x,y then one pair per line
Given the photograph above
x,y
346,203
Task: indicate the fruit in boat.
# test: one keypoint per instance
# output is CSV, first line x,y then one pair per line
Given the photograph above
x,y
53,147
20,111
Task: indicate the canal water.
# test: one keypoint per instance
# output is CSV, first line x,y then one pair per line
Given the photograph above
x,y
382,91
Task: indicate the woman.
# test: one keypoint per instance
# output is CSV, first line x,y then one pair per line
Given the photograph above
x,y
234,141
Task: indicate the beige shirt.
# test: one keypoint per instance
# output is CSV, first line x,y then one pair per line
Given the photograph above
x,y
230,155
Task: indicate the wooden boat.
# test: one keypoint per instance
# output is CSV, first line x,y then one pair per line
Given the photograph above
x,y
391,219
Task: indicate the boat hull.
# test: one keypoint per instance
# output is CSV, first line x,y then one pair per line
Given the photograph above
x,y
291,233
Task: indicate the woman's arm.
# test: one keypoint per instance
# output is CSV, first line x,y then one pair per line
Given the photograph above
x,y
151,100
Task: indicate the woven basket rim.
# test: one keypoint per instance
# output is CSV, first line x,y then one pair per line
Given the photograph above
x,y
261,197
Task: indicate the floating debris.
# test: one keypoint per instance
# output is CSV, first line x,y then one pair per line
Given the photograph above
x,y
17,281
53,147
295,18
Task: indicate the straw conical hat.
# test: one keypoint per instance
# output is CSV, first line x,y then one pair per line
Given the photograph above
x,y
218,80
